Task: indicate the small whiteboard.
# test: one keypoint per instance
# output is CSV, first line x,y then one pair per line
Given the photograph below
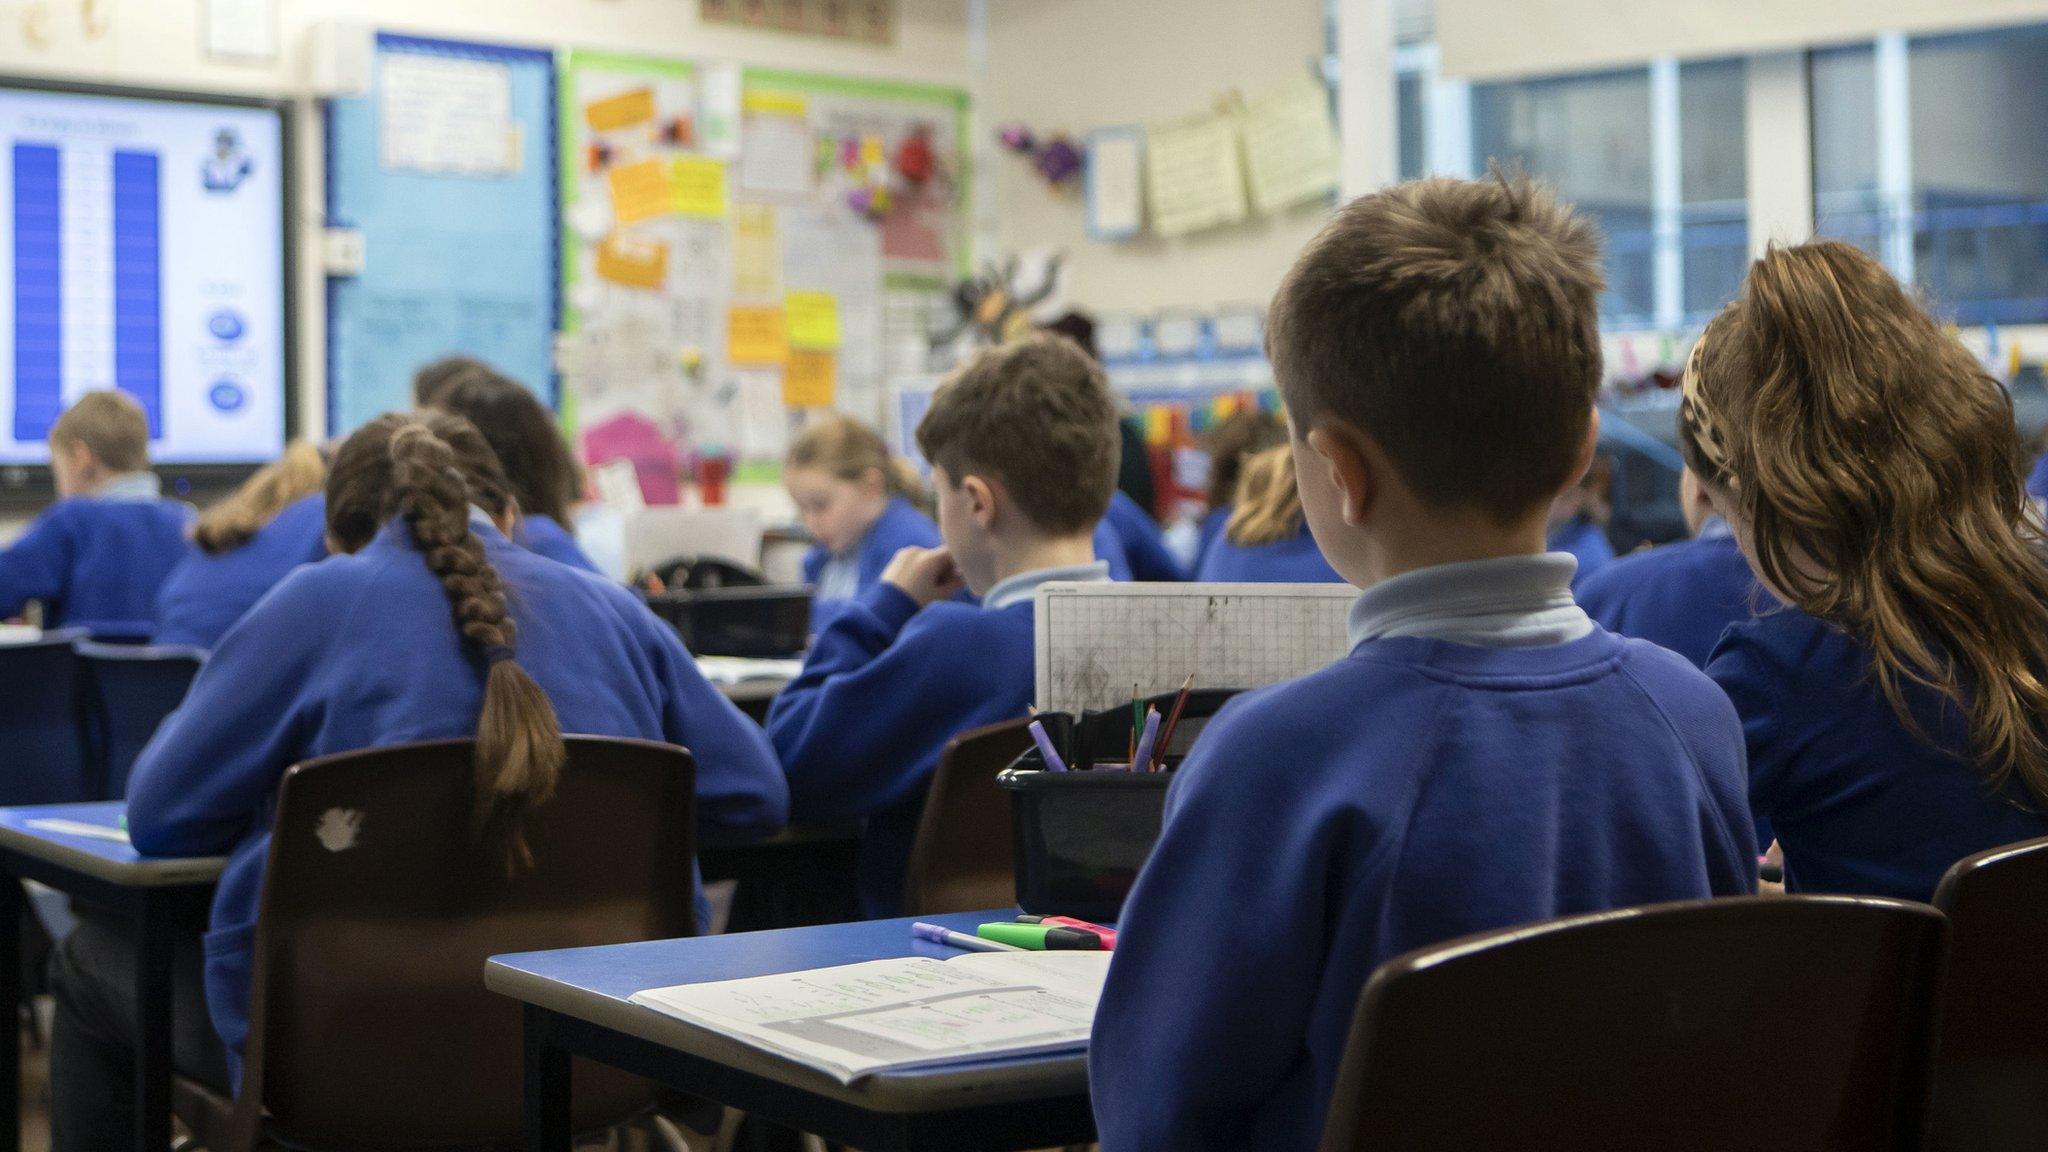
x,y
1094,641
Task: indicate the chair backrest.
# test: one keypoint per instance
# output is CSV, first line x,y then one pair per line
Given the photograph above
x,y
1793,1022
963,858
369,1023
1991,1073
45,741
129,691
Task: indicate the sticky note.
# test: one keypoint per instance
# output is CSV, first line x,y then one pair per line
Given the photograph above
x,y
698,183
810,380
774,104
871,154
641,192
634,261
621,111
813,320
756,336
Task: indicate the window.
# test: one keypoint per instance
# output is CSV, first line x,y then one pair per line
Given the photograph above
x,y
1590,137
1409,112
1713,185
1928,154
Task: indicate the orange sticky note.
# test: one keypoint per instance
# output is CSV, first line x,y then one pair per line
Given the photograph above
x,y
756,336
622,111
634,261
813,320
698,183
810,380
641,192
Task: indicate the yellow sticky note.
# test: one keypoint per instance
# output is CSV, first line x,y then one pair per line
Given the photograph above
x,y
634,261
774,104
813,320
621,111
810,380
699,186
641,192
871,155
756,336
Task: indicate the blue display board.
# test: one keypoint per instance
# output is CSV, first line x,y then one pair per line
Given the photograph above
x,y
454,261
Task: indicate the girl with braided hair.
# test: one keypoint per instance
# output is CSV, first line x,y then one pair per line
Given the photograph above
x,y
426,624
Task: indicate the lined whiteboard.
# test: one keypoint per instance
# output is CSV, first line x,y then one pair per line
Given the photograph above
x,y
1095,641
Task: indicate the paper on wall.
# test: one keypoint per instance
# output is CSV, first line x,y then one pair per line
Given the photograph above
x,y
439,114
813,319
1116,183
242,29
756,258
761,419
640,191
775,152
698,183
718,110
756,336
633,261
635,106
1193,178
1290,148
810,379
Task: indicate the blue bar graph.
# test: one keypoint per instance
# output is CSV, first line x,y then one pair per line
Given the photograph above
x,y
138,336
38,290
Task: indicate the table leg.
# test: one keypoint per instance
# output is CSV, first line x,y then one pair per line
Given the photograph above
x,y
155,943
11,901
547,1087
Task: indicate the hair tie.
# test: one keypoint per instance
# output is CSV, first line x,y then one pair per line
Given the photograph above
x,y
498,653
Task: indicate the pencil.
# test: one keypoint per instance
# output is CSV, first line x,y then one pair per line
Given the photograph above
x,y
1137,722
1172,718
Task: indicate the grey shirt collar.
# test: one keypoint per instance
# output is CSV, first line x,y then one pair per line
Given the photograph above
x,y
1504,602
1024,585
132,487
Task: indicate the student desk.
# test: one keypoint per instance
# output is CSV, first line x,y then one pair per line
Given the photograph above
x,y
577,1004
164,896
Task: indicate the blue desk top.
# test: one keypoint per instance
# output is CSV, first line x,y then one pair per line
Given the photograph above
x,y
595,984
115,861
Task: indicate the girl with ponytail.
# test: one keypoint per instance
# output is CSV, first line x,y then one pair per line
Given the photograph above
x,y
1897,710
859,502
247,542
1266,540
427,623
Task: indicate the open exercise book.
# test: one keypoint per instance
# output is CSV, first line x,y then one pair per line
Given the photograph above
x,y
888,1015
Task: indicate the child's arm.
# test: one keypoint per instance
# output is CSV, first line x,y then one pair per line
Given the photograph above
x,y
37,566
741,795
1217,965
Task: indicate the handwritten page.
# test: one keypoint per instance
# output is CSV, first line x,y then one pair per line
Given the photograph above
x,y
1116,183
1290,148
439,114
859,1019
1193,178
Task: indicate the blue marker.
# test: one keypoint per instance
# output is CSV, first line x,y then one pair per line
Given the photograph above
x,y
939,934
1053,763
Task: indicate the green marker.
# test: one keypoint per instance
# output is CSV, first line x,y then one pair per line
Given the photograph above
x,y
1041,937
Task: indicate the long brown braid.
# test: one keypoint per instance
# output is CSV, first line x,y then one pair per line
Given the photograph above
x,y
429,468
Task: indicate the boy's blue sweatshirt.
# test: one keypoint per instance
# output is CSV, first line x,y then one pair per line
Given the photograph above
x,y
1144,545
1858,803
1420,790
97,562
1295,560
544,535
900,526
205,595
1681,596
360,652
882,691
1587,542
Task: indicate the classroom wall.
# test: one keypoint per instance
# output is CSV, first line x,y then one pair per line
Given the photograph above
x,y
1074,65
159,42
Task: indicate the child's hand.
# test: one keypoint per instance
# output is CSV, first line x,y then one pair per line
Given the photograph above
x,y
926,575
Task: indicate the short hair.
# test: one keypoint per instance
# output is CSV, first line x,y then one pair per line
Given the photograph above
x,y
1457,323
1037,416
112,427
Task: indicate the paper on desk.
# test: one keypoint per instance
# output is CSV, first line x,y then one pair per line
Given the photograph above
x,y
859,1019
80,828
741,669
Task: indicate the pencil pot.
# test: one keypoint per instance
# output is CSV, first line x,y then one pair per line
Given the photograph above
x,y
1081,837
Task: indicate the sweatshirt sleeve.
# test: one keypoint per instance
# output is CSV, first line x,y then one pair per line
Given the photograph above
x,y
207,778
1749,676
870,705
38,565
1201,1020
741,796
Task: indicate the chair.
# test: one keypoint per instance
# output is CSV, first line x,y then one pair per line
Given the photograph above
x,y
1991,1074
45,742
129,691
369,1025
962,859
1796,1022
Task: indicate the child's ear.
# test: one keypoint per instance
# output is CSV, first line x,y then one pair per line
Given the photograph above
x,y
981,498
1587,448
1352,466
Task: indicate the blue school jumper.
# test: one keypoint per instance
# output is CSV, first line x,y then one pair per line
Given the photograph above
x,y
546,536
882,691
1109,549
205,595
1681,596
1587,542
97,562
359,652
2037,480
1295,560
1144,545
1456,773
1858,804
1208,533
839,579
